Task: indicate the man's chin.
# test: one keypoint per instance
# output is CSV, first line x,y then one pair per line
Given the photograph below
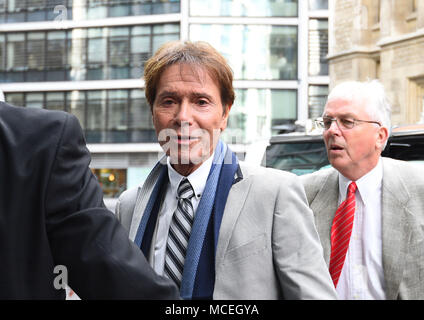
x,y
188,159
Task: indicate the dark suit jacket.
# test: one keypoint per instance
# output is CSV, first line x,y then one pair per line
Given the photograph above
x,y
52,213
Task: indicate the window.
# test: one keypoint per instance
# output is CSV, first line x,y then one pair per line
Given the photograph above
x,y
96,116
140,50
15,99
81,54
112,181
318,47
55,101
75,101
243,44
251,8
140,118
318,4
106,116
257,113
2,52
34,100
375,11
117,116
317,98
56,57
15,57
414,5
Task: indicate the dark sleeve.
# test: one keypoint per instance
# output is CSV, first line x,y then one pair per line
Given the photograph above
x,y
86,238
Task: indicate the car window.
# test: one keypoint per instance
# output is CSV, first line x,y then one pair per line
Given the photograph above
x,y
297,157
304,156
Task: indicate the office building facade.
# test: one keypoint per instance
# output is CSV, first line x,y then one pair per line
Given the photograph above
x,y
382,39
87,57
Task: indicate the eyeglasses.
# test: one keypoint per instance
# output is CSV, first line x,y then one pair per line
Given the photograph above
x,y
342,123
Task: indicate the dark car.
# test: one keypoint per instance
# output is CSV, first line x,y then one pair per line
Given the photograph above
x,y
301,153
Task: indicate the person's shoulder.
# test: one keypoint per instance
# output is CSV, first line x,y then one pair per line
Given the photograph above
x,y
317,177
32,117
409,172
252,170
128,195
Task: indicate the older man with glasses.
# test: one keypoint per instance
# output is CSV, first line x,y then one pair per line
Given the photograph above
x,y
369,210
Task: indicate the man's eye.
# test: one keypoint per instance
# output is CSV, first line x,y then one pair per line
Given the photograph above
x,y
347,122
167,101
202,102
327,122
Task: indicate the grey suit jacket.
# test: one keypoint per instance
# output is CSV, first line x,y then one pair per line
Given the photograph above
x,y
268,247
402,223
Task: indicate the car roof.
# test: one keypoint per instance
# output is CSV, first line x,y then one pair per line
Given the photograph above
x,y
413,129
295,137
406,130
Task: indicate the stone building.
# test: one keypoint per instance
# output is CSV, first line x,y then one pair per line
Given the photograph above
x,y
381,39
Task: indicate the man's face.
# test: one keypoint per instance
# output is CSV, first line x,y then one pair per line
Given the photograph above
x,y
188,115
353,152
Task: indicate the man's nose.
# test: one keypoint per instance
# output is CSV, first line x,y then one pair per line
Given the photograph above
x,y
184,112
334,128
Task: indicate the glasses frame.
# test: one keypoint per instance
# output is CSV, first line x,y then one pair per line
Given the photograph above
x,y
320,123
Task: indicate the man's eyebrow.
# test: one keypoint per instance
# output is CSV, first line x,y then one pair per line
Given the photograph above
x,y
201,95
347,115
167,93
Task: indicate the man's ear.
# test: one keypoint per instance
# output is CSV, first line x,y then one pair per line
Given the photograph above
x,y
383,135
225,117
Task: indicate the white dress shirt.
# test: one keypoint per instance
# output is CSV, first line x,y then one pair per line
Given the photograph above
x,y
362,275
197,180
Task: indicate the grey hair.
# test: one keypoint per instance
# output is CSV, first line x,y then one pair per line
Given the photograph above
x,y
371,93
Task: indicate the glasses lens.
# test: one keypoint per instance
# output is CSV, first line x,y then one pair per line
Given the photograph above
x,y
327,123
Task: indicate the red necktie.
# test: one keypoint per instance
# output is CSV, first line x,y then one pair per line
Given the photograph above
x,y
340,233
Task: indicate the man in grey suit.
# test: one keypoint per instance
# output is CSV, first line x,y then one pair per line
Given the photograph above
x,y
383,256
220,229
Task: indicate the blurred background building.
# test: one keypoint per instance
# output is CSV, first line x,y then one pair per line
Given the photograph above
x,y
381,39
86,57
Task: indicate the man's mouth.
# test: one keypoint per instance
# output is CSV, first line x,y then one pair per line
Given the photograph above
x,y
185,139
335,147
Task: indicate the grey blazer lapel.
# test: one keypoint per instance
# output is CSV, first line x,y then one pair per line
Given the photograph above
x,y
324,206
235,202
395,228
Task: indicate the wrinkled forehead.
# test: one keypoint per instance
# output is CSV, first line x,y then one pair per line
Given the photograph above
x,y
346,106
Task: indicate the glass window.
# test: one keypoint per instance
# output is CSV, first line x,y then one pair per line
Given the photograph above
x,y
96,9
56,50
2,53
318,47
161,7
243,44
75,102
140,53
96,116
318,4
316,102
36,10
112,181
252,8
16,51
119,10
117,115
15,99
55,101
163,33
284,108
97,50
140,118
34,100
119,46
35,50
257,111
